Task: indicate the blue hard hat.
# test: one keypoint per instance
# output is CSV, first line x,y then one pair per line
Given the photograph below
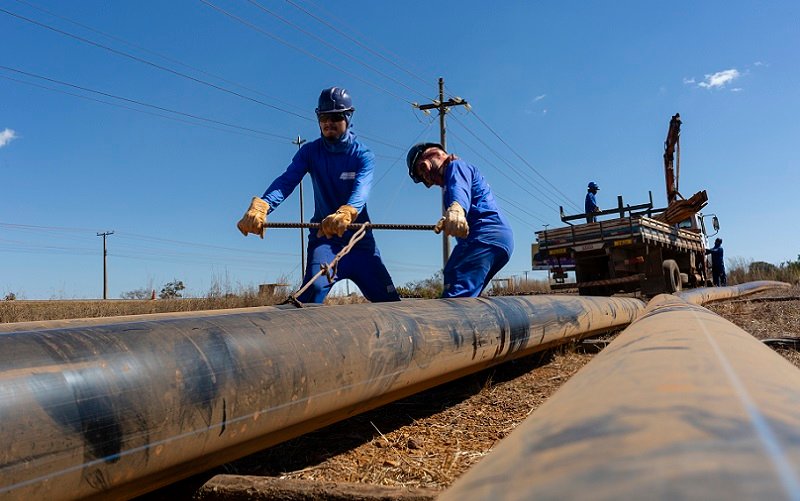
x,y
413,155
593,186
335,100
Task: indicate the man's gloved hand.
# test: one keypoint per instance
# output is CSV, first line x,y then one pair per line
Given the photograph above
x,y
454,222
255,218
336,223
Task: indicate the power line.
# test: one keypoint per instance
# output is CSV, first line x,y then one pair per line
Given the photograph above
x,y
304,51
357,42
140,103
535,216
145,112
402,155
169,70
502,171
510,165
154,65
524,161
333,47
157,54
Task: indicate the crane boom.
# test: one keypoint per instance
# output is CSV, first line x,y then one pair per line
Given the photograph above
x,y
671,144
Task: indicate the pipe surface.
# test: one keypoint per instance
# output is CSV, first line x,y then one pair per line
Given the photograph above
x,y
705,295
119,409
681,405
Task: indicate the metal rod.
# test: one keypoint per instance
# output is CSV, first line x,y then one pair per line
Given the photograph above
x,y
115,410
681,405
373,226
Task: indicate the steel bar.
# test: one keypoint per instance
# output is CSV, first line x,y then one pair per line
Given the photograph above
x,y
115,410
681,405
373,226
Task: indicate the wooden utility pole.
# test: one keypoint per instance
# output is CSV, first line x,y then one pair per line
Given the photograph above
x,y
299,142
443,107
105,262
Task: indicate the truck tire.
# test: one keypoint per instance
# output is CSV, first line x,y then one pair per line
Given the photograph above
x,y
672,276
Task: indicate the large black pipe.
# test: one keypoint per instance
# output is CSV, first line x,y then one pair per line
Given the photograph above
x,y
122,408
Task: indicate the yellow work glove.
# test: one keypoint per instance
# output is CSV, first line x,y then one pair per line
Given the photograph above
x,y
336,223
255,218
454,222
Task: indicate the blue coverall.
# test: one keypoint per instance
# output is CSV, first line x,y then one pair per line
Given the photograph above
x,y
490,243
718,266
341,174
590,206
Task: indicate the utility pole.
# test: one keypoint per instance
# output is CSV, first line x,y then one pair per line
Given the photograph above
x,y
299,142
105,262
443,107
548,266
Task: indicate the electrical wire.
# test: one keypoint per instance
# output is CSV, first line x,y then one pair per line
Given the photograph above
x,y
502,171
154,65
144,61
130,108
304,51
510,165
333,47
523,160
157,54
392,61
423,131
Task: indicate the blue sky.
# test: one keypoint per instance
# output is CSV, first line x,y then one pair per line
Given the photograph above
x,y
562,93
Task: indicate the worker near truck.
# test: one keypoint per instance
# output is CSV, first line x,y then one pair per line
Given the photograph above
x,y
341,169
591,203
718,264
484,237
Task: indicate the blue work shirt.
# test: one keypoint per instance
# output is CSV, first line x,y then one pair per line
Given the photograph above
x,y
591,203
463,183
717,260
341,174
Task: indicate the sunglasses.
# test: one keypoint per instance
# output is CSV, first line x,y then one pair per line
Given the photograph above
x,y
331,117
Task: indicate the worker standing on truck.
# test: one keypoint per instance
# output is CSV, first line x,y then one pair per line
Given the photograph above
x,y
341,168
718,264
591,203
484,238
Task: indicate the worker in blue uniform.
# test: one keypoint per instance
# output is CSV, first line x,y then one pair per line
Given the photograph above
x,y
484,238
341,170
718,264
590,204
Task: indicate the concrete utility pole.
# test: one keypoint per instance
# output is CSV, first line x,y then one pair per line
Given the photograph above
x,y
443,107
105,262
299,142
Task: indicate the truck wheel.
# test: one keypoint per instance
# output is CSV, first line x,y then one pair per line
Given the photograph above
x,y
672,276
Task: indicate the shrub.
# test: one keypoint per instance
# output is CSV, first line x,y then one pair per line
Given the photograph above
x,y
172,290
428,288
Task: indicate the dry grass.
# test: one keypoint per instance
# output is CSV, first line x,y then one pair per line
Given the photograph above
x,y
26,311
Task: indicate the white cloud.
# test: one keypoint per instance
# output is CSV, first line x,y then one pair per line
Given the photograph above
x,y
758,63
736,89
719,79
6,136
539,97
688,81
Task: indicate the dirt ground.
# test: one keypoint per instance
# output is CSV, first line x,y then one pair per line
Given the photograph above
x,y
416,447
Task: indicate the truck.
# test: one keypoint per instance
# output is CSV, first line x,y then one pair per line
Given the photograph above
x,y
642,249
